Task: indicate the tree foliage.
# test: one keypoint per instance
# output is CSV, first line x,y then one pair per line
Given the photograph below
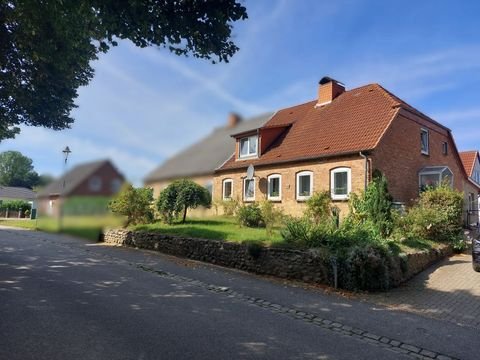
x,y
375,205
180,196
133,203
17,170
46,47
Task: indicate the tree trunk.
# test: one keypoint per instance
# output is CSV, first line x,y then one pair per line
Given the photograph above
x,y
184,215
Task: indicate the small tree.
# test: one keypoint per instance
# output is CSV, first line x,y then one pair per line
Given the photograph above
x,y
374,205
319,207
180,196
134,203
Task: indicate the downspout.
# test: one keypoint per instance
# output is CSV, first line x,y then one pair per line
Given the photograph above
x,y
366,169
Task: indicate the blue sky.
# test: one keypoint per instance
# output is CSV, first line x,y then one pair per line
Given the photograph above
x,y
146,104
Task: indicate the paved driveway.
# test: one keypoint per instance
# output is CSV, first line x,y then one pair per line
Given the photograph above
x,y
448,291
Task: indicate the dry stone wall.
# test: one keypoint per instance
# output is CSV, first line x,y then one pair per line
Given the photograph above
x,y
305,265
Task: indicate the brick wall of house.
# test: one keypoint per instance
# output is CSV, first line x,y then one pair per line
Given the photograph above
x,y
289,204
107,175
399,157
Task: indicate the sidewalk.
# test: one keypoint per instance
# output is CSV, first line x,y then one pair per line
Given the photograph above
x,y
448,291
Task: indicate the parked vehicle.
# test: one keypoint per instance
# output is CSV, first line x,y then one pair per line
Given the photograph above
x,y
476,254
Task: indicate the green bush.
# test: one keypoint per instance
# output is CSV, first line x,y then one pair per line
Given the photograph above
x,y
250,215
319,207
180,196
436,216
366,268
230,207
374,205
133,203
271,216
15,205
303,233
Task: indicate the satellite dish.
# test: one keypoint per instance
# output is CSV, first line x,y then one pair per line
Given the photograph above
x,y
250,172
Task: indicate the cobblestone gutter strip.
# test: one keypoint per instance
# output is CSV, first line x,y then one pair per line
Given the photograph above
x,y
338,327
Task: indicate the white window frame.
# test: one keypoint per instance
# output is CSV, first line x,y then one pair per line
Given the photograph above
x,y
274,198
435,172
332,183
249,154
231,189
245,198
427,151
299,174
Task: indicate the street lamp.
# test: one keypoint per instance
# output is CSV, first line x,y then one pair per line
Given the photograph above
x,y
65,152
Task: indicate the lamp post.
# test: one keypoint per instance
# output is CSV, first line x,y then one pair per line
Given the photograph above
x,y
65,152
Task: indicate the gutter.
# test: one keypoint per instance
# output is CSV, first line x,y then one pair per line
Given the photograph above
x,y
366,169
300,159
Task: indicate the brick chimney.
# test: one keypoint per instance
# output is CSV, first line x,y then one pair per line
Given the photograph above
x,y
329,89
233,120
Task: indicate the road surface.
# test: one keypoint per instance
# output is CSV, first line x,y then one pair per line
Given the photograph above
x,y
64,298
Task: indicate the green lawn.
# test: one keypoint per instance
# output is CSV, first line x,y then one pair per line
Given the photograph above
x,y
87,227
220,228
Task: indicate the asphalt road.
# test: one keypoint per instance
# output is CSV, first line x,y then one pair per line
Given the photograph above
x,y
63,298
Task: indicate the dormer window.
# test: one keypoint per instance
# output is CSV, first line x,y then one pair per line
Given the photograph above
x,y
248,146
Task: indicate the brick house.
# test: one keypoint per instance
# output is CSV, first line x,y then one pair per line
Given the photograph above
x,y
471,164
334,143
93,179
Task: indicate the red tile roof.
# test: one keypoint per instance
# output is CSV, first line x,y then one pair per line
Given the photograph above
x,y
468,160
354,121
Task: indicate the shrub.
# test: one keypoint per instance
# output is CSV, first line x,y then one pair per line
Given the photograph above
x,y
230,207
319,207
134,203
366,268
180,196
436,216
374,205
15,205
250,215
271,216
302,232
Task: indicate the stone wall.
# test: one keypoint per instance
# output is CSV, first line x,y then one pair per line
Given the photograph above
x,y
305,265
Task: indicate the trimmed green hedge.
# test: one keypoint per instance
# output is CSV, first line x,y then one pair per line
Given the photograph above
x,y
15,205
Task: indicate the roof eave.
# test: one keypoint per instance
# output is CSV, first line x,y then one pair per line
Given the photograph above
x,y
300,159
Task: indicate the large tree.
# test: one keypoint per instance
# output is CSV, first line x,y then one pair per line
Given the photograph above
x,y
17,170
46,47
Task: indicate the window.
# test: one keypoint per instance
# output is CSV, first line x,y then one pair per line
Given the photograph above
x,y
248,189
340,183
304,185
424,141
433,176
476,177
95,183
227,189
471,201
274,187
248,146
445,148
